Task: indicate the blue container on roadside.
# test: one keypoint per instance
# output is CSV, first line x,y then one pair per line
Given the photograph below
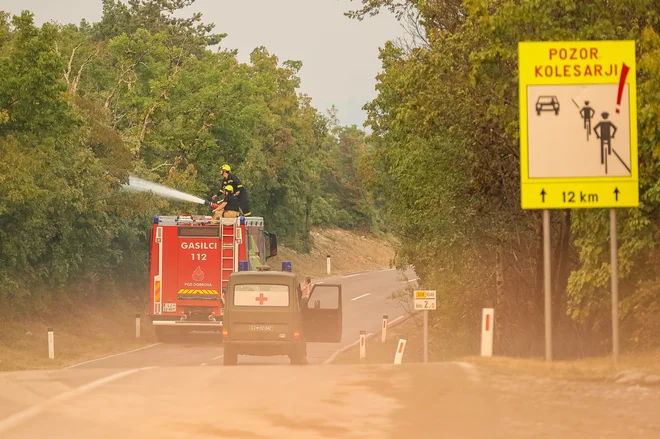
x,y
286,266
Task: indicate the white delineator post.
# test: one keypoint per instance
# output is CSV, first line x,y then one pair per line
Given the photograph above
x,y
51,344
363,345
137,325
328,264
487,322
383,334
400,348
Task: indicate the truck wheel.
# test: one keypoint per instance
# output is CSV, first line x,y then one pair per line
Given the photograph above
x,y
230,357
298,356
163,334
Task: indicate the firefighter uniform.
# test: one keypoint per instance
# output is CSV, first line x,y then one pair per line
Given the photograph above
x,y
241,192
230,207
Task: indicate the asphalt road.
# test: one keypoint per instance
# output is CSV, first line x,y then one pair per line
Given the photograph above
x,y
419,401
365,301
172,391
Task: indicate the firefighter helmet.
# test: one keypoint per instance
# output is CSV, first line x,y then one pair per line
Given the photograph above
x,y
226,167
229,188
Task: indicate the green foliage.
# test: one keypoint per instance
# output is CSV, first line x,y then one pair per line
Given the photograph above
x,y
446,158
141,92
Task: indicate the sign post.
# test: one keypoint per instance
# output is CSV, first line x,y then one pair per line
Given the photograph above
x,y
383,334
578,138
425,300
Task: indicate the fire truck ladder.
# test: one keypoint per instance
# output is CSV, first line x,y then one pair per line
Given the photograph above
x,y
228,231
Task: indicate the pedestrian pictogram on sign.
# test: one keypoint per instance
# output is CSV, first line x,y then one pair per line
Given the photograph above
x,y
578,124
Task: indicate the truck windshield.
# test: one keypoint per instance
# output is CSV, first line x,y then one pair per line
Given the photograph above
x,y
261,295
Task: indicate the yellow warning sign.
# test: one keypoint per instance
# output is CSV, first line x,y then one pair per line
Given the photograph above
x,y
578,124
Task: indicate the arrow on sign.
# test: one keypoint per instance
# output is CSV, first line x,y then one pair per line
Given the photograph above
x,y
543,194
616,193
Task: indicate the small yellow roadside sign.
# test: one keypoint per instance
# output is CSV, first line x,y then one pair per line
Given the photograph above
x,y
578,124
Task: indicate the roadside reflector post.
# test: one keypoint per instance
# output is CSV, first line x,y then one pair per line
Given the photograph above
x,y
51,344
137,325
383,334
328,264
400,348
363,345
487,329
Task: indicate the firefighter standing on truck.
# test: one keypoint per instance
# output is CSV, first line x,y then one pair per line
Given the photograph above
x,y
240,191
228,207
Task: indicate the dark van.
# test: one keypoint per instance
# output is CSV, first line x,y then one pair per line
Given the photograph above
x,y
265,315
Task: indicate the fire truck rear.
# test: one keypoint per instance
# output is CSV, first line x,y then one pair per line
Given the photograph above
x,y
191,259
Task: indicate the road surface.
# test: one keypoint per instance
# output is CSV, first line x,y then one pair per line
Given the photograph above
x,y
414,401
366,298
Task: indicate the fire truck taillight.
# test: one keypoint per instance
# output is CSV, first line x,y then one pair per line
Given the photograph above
x,y
296,334
157,291
225,332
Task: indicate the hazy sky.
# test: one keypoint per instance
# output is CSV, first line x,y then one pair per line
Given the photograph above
x,y
339,55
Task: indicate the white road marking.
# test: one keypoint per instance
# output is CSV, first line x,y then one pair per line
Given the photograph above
x,y
360,297
218,357
22,416
346,348
353,275
204,364
412,280
470,369
369,335
111,356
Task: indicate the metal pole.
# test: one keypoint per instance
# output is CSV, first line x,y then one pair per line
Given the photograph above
x,y
615,287
547,284
426,336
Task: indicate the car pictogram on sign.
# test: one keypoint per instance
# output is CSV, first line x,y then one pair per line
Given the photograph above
x,y
547,103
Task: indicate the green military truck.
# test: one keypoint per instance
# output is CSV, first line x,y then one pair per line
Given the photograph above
x,y
266,315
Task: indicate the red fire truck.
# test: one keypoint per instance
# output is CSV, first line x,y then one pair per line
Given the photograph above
x,y
191,259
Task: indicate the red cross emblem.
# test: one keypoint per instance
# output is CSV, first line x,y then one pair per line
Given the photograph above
x,y
261,299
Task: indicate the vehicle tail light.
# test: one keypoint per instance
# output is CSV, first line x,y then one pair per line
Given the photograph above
x,y
225,332
296,334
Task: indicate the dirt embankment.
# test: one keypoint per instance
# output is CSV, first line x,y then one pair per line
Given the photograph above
x,y
88,331
349,253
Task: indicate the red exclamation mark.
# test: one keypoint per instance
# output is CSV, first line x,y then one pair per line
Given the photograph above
x,y
622,82
487,322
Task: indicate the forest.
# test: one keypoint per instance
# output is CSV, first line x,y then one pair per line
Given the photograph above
x,y
147,93
446,169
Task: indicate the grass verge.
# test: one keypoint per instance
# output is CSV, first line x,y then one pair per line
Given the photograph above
x,y
588,369
85,333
